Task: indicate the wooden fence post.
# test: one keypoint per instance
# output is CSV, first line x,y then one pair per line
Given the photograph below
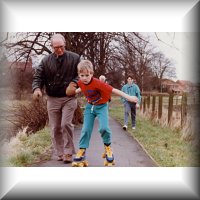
x,y
170,108
148,101
160,105
144,105
183,109
153,106
141,102
177,100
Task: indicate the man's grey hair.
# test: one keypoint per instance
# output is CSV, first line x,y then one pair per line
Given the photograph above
x,y
57,36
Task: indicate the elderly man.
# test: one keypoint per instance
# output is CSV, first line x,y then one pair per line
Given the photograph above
x,y
57,73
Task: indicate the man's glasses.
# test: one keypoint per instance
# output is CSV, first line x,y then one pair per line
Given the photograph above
x,y
59,47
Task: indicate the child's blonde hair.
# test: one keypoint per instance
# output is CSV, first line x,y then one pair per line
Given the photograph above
x,y
85,65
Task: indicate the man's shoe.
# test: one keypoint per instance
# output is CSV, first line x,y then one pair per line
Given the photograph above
x,y
125,127
60,158
133,127
67,158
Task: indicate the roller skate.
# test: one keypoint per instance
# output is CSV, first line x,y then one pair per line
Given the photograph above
x,y
79,160
109,157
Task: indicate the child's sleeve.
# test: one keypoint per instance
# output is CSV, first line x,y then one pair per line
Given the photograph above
x,y
138,94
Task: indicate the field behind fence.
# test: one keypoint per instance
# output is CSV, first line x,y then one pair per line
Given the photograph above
x,y
177,111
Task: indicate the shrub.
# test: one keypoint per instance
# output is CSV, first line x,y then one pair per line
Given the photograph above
x,y
34,116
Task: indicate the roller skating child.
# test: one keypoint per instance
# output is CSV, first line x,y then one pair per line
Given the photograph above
x,y
97,94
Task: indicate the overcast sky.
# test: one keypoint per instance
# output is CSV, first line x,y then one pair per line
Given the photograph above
x,y
181,47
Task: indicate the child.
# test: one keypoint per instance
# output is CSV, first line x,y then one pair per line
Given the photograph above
x,y
97,94
129,107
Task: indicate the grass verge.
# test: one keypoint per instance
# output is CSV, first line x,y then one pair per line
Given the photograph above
x,y
24,150
163,144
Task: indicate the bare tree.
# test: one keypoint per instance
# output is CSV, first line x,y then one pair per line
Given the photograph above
x,y
134,54
162,67
21,46
111,52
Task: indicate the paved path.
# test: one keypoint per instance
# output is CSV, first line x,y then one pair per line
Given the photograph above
x,y
127,151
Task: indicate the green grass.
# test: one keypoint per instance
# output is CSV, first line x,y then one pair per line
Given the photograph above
x,y
24,150
163,144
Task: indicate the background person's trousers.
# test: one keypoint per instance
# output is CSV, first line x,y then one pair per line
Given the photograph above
x,y
61,112
90,113
130,107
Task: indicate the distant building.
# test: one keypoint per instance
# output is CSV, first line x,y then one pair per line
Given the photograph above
x,y
179,86
170,86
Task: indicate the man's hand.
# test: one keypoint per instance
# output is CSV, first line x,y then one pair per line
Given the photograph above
x,y
71,89
137,105
78,90
37,94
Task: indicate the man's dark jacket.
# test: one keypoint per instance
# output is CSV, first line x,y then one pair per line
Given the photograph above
x,y
56,72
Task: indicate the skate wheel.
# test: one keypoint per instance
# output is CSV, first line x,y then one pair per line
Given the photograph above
x,y
109,164
86,164
103,155
105,163
74,164
81,165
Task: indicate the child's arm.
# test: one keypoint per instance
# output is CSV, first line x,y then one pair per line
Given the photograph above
x,y
126,96
78,90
